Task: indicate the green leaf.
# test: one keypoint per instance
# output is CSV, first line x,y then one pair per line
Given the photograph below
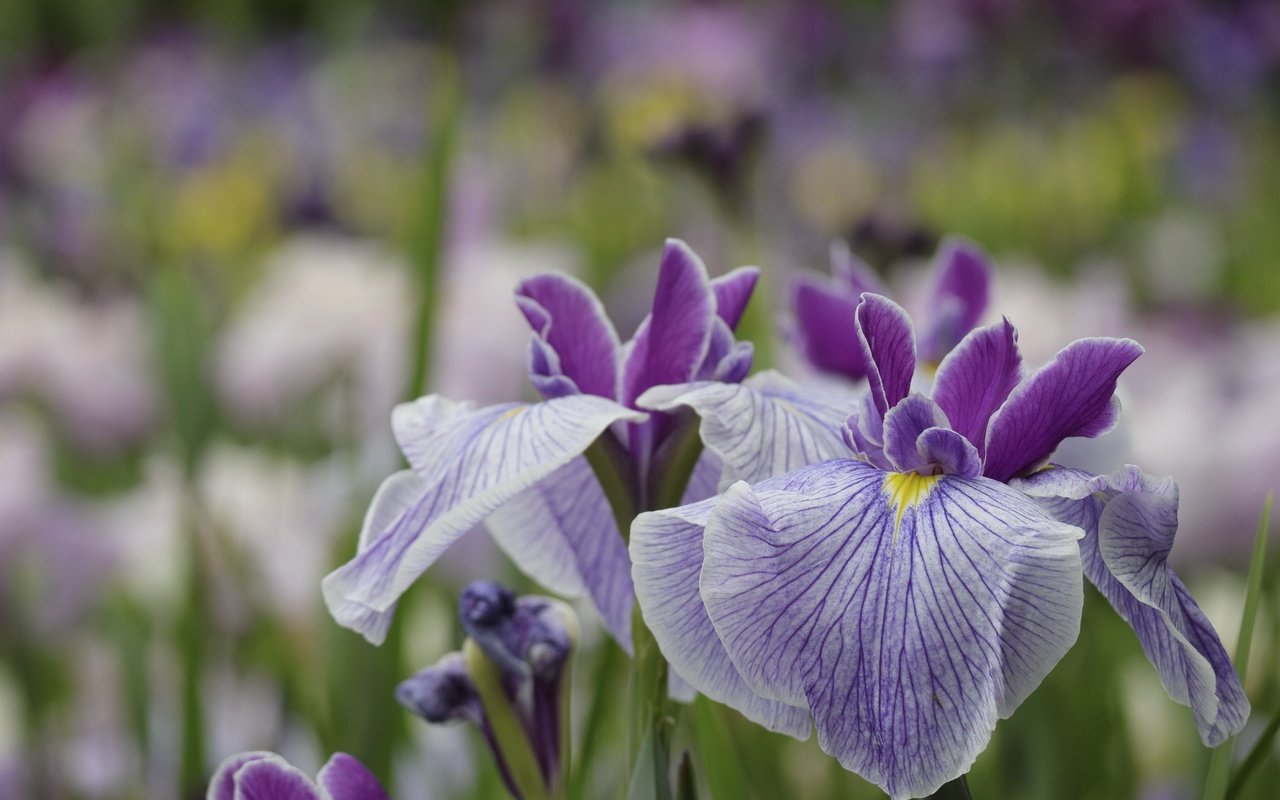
x,y
508,732
650,779
1215,786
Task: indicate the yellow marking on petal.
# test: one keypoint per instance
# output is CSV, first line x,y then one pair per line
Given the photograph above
x,y
509,414
907,489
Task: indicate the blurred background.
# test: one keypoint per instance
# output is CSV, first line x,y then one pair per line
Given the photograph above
x,y
233,235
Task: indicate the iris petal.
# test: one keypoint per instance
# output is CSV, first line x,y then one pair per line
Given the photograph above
x,y
666,553
976,377
825,330
762,427
561,532
1072,395
733,292
1130,520
672,342
571,320
223,784
273,778
889,346
345,778
959,298
907,649
467,463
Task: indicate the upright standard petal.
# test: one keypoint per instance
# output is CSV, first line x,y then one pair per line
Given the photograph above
x,y
762,427
345,778
733,292
1130,520
672,342
273,778
561,532
571,320
1072,395
666,557
909,613
959,298
825,331
467,463
976,378
889,347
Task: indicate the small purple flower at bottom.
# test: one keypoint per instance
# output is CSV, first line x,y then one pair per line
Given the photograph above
x,y
909,597
260,775
509,681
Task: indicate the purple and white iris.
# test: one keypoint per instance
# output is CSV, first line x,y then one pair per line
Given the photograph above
x,y
521,466
261,775
912,593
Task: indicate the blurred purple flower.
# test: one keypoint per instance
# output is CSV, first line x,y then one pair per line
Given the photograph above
x,y
266,776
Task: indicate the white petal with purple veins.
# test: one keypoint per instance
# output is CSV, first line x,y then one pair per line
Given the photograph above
x,y
666,553
1130,520
469,462
909,613
763,427
562,533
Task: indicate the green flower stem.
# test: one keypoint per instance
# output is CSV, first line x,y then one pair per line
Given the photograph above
x,y
611,464
957,789
509,734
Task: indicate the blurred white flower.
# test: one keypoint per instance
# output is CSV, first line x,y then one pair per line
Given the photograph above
x,y
283,515
328,311
86,361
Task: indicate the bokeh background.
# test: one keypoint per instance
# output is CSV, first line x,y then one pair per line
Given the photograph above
x,y
233,235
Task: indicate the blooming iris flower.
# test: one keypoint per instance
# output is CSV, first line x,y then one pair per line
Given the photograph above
x,y
266,776
521,465
910,596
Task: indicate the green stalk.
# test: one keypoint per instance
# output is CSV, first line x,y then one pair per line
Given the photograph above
x,y
1220,762
957,789
427,228
1257,754
508,732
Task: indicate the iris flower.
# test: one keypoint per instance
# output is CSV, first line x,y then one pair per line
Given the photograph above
x,y
912,593
521,466
266,776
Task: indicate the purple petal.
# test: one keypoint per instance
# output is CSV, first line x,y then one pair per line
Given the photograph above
x,y
1129,521
569,317
889,347
1072,395
960,297
562,533
902,427
666,552
733,292
908,622
345,778
672,343
826,332
951,452
863,432
274,779
976,378
727,359
223,784
467,463
763,427
545,372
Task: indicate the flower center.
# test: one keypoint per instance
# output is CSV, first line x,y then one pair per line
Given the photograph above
x,y
907,489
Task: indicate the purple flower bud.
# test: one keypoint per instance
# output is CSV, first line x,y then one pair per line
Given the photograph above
x,y
442,692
